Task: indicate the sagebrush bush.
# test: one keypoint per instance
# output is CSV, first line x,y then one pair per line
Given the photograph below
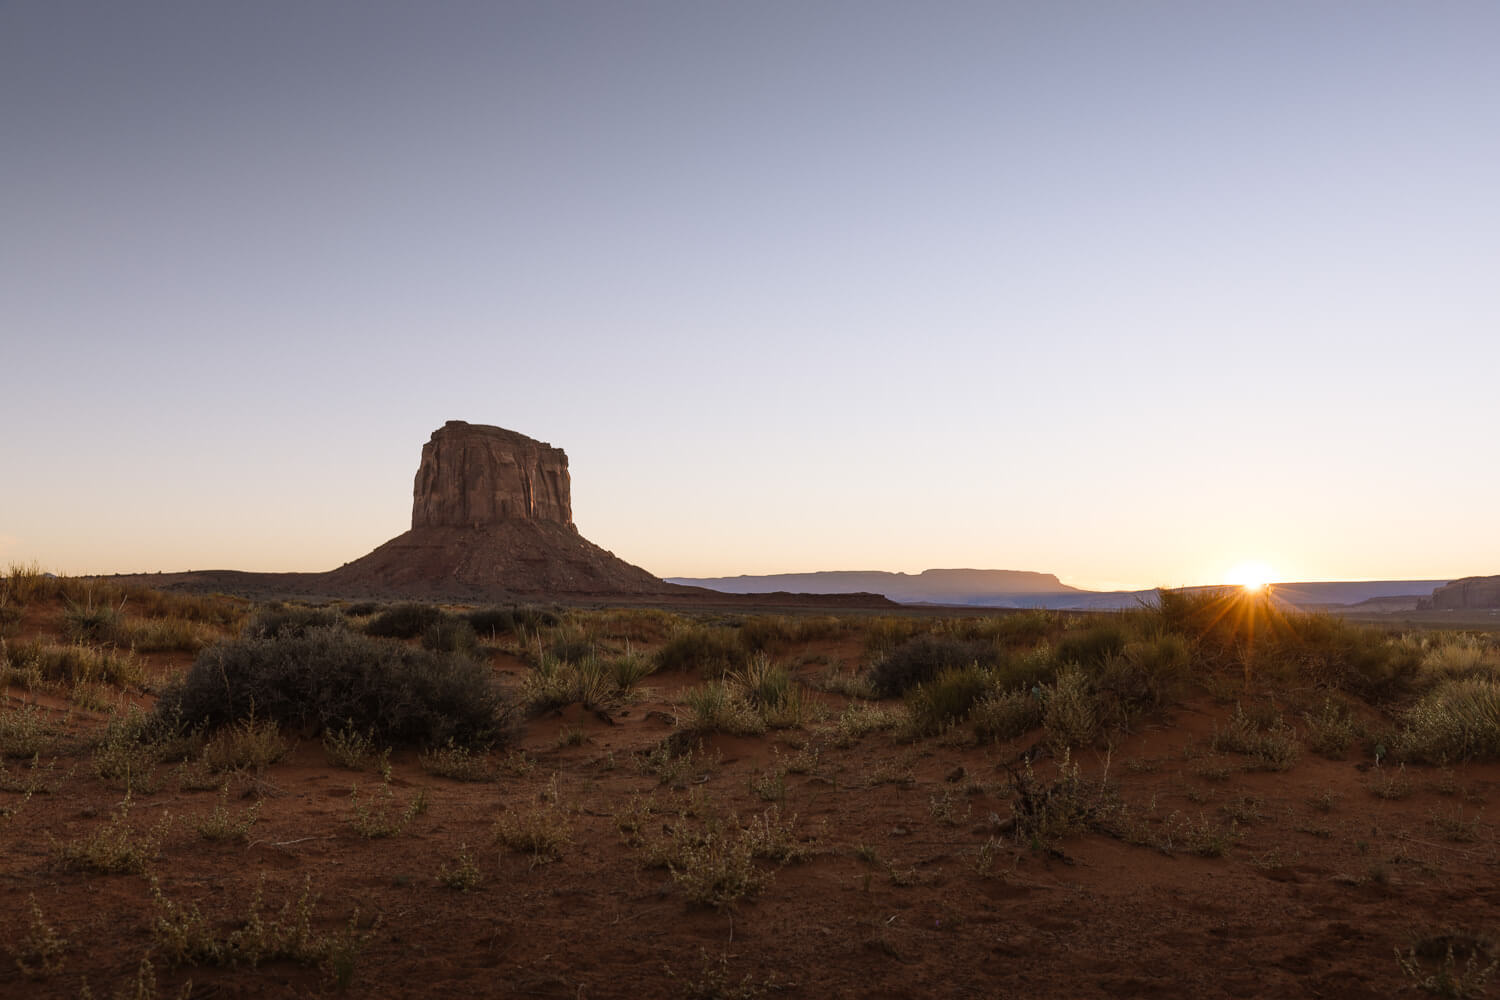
x,y
1070,714
405,621
713,652
997,717
1091,647
333,679
291,619
947,698
921,659
450,635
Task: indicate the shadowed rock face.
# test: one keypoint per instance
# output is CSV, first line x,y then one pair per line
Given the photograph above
x,y
1470,592
474,475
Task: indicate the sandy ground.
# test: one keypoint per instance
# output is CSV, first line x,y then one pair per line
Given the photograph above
x,y
913,885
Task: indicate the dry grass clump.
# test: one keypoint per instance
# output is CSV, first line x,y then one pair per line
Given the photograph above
x,y
41,663
541,828
1331,730
249,744
40,952
464,875
222,825
26,730
721,706
1452,962
116,848
1264,737
1456,721
711,651
771,691
183,936
457,763
385,815
556,683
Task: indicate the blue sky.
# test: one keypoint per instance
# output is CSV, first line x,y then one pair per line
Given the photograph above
x,y
1129,292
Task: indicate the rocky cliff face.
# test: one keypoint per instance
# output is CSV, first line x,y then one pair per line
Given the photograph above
x,y
1470,592
473,475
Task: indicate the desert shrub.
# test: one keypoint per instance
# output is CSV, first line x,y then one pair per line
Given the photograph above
x,y
1091,647
1356,659
1458,720
555,683
1143,678
571,642
90,621
1027,670
630,668
331,678
713,652
405,621
10,616
290,619
947,698
1044,812
450,635
884,634
25,582
772,691
1331,730
160,635
718,706
766,633
77,664
361,609
1264,737
1070,715
1458,657
997,717
921,659
25,730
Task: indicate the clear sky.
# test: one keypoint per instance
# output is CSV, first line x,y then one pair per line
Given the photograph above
x,y
1131,292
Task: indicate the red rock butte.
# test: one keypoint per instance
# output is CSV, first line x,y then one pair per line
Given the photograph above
x,y
492,518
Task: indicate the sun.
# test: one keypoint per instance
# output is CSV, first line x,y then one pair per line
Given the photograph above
x,y
1251,576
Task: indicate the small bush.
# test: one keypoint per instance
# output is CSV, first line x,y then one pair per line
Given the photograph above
x,y
998,717
1269,742
117,848
405,621
1330,731
384,816
556,683
720,707
291,620
712,652
946,699
456,762
1091,647
921,659
1458,720
1070,715
90,622
450,635
331,678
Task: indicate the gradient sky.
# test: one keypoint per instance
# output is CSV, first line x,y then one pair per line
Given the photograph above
x,y
1130,292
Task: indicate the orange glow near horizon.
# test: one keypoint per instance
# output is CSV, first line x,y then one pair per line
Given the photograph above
x,y
1251,577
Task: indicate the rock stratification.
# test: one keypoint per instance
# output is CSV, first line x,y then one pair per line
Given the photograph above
x,y
473,475
1470,592
492,519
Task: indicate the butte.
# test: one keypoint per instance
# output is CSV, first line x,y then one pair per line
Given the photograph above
x,y
492,518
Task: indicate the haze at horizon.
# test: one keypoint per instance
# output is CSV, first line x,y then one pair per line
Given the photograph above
x,y
1129,294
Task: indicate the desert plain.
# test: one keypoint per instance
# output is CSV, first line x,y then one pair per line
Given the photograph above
x,y
1207,798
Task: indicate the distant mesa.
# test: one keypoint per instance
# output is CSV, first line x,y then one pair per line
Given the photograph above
x,y
492,515
1469,592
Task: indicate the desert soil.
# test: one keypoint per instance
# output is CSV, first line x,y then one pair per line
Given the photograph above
x,y
913,884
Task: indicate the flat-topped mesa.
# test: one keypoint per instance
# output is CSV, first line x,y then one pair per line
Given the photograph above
x,y
474,475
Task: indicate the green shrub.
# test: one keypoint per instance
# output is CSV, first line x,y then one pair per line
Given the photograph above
x,y
997,717
90,622
946,699
405,621
1070,715
1091,647
921,659
334,679
713,652
450,635
276,619
361,609
766,633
